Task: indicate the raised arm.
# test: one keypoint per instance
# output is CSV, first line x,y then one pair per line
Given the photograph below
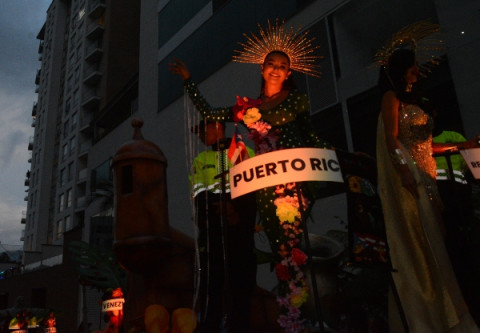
x,y
201,104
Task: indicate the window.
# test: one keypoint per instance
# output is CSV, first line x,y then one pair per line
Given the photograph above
x,y
68,223
69,198
59,229
102,176
61,202
67,106
62,177
66,128
77,74
79,51
65,151
73,143
69,83
74,120
76,97
70,172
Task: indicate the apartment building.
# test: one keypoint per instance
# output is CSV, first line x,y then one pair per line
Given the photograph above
x,y
88,63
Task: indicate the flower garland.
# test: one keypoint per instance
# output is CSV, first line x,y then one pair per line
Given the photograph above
x,y
293,288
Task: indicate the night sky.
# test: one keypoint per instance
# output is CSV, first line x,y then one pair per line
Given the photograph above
x,y
20,22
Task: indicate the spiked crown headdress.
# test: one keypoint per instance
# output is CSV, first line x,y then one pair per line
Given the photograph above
x,y
293,42
422,38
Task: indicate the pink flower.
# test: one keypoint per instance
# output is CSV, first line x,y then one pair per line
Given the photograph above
x,y
260,126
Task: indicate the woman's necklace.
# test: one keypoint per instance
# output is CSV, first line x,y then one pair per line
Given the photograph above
x,y
269,102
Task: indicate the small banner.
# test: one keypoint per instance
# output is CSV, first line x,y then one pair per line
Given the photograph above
x,y
472,157
284,166
113,304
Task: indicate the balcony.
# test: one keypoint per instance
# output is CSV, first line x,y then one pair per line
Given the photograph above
x,y
95,31
37,77
30,157
24,217
27,182
92,75
94,52
34,120
22,237
30,143
34,109
91,100
85,125
96,8
84,148
82,176
81,203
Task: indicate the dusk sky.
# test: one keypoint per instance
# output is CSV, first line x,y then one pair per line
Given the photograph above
x,y
20,22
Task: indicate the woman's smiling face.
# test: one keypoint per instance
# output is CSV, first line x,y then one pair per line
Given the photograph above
x,y
275,68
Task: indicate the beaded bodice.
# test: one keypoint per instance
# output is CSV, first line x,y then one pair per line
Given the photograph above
x,y
415,132
290,120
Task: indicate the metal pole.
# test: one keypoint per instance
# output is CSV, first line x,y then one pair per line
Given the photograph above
x,y
308,249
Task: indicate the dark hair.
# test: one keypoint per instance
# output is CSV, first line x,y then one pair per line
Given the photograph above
x,y
392,76
289,83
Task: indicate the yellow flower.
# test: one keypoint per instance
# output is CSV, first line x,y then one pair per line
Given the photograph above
x,y
286,212
251,116
299,298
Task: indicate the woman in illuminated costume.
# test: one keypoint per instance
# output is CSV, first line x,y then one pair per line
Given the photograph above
x,y
429,295
279,119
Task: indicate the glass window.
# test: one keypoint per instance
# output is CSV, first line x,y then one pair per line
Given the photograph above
x,y
76,97
68,223
62,177
59,229
67,106
61,202
69,198
73,142
70,171
66,128
74,120
69,83
65,151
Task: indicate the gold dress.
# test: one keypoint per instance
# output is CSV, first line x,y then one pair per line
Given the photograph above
x,y
429,293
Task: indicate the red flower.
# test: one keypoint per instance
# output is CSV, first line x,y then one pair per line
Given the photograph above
x,y
298,256
282,272
242,105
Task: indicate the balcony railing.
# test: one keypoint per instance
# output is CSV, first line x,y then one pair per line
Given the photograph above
x,y
95,31
94,51
92,75
96,8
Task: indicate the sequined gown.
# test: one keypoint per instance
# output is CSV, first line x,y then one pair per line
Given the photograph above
x,y
291,127
429,293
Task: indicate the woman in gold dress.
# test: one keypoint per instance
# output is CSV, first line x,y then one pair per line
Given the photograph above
x,y
426,284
